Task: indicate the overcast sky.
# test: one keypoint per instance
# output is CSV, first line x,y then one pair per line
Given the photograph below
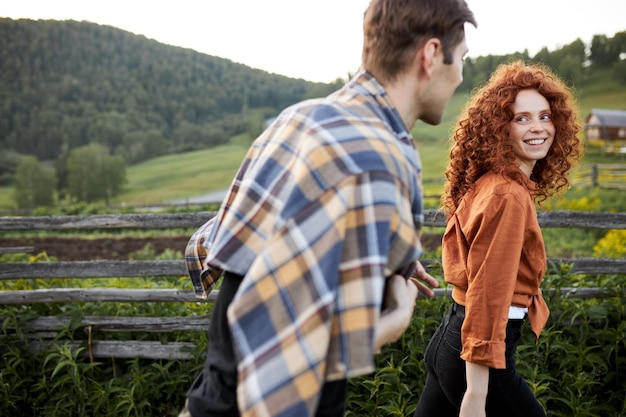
x,y
321,40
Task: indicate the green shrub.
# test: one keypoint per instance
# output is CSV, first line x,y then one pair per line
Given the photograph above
x,y
577,368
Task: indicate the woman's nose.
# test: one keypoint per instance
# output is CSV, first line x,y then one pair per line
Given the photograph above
x,y
536,126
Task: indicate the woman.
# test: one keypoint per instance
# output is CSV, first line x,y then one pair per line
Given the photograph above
x,y
513,147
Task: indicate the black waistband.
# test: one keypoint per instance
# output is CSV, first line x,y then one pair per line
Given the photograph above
x,y
232,275
459,310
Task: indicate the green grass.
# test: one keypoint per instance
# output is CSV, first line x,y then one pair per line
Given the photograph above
x,y
599,91
6,198
188,175
172,177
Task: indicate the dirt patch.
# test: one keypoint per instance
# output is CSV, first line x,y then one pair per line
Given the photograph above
x,y
77,249
431,241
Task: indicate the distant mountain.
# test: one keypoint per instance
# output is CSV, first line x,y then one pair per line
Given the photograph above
x,y
64,84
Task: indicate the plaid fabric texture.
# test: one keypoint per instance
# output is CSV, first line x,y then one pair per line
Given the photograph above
x,y
325,206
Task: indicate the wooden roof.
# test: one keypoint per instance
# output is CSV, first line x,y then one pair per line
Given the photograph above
x,y
608,117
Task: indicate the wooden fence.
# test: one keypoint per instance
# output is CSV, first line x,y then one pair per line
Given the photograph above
x,y
600,175
42,329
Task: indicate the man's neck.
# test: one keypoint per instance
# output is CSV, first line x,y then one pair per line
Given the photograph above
x,y
402,95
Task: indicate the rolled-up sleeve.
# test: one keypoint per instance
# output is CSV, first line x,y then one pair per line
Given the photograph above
x,y
497,239
202,276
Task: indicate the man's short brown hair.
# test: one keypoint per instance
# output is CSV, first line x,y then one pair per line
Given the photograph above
x,y
394,29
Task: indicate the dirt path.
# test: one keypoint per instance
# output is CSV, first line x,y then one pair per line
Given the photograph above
x,y
76,249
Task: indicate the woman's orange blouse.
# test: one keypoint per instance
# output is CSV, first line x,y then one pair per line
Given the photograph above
x,y
493,254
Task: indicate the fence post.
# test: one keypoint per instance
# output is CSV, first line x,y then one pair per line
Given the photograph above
x,y
594,175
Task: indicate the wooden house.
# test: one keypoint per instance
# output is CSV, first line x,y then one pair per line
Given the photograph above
x,y
607,128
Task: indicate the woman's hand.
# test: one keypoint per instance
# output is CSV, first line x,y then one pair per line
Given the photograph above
x,y
475,398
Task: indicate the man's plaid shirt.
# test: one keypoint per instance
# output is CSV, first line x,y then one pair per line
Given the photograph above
x,y
326,205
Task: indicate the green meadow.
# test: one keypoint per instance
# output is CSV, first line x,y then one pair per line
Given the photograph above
x,y
187,175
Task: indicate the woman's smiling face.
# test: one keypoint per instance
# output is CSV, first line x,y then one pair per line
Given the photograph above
x,y
531,131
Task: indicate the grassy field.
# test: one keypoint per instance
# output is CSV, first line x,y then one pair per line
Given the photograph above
x,y
188,175
196,173
181,176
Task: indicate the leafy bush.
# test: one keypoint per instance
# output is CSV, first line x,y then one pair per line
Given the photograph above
x,y
576,369
612,245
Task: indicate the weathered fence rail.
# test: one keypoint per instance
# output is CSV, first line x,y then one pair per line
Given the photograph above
x,y
432,218
600,175
43,329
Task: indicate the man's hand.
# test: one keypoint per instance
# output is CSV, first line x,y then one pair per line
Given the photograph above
x,y
399,302
423,280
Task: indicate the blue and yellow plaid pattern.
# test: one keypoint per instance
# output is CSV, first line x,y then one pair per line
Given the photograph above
x,y
326,205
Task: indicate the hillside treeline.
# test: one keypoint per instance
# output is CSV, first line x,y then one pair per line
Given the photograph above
x,y
66,84
574,62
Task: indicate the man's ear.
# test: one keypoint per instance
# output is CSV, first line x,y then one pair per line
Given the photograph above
x,y
426,57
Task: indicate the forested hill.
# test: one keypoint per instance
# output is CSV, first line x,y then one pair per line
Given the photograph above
x,y
64,84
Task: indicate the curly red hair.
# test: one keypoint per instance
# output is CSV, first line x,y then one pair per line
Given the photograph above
x,y
480,141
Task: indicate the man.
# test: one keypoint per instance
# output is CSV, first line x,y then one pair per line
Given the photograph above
x,y
320,229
